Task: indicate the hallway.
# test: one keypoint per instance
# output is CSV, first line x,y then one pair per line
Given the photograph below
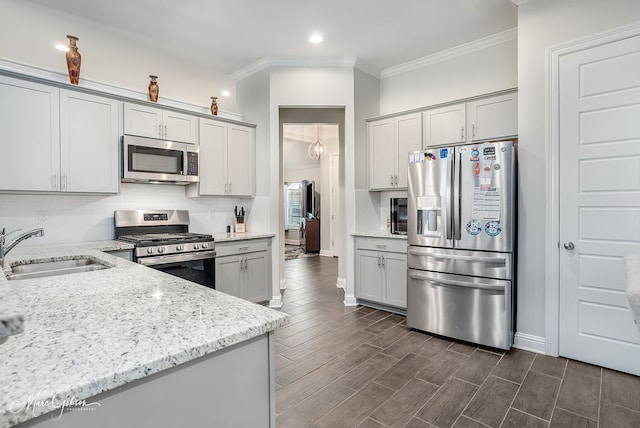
x,y
360,367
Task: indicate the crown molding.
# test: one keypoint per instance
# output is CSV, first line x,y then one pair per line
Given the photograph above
x,y
62,79
267,62
518,2
454,52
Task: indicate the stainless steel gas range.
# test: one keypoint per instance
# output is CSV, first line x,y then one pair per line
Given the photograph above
x,y
162,240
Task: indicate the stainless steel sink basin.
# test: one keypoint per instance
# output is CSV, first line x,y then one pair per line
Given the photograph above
x,y
60,267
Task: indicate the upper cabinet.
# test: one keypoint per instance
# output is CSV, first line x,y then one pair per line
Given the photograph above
x,y
485,119
226,160
57,140
154,122
390,141
89,136
494,117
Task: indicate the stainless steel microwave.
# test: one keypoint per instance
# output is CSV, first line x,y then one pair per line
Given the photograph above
x,y
148,160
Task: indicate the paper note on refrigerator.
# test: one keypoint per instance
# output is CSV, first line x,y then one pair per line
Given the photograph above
x,y
486,204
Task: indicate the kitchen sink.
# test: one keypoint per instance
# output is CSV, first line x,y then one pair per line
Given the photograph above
x,y
41,269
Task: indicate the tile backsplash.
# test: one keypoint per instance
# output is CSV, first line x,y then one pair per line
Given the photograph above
x,y
75,218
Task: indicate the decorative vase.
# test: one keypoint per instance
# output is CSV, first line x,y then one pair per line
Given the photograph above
x,y
73,60
154,89
214,106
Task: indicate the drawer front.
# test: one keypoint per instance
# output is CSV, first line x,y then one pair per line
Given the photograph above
x,y
381,244
241,247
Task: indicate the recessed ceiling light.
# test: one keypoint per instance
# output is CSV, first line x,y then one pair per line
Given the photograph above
x,y
316,38
62,48
226,93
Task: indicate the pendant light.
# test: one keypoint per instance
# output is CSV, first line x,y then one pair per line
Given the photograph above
x,y
317,150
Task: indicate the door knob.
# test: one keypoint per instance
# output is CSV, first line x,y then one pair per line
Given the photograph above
x,y
569,245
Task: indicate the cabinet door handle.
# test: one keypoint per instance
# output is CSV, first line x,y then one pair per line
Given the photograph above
x,y
473,131
378,260
462,132
381,246
384,261
165,131
54,181
160,130
64,181
243,248
229,187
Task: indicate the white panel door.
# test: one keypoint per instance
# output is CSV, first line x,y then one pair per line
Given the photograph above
x,y
444,125
494,117
143,121
599,202
89,136
240,160
30,143
369,275
256,277
409,139
395,281
180,127
213,141
382,154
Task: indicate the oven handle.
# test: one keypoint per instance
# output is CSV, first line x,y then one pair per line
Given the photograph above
x,y
175,258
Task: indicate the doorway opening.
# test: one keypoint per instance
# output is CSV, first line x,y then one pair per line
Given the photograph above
x,y
310,201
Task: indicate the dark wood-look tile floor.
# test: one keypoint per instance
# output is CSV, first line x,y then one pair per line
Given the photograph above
x,y
340,366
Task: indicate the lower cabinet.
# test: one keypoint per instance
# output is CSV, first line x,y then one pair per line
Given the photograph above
x,y
381,271
243,269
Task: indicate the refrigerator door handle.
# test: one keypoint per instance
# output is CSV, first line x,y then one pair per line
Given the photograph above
x,y
449,197
457,183
430,280
478,259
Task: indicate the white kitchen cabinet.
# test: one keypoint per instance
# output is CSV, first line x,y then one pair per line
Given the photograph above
x,y
227,160
89,137
480,120
445,125
57,140
381,271
30,143
243,269
390,141
493,117
155,122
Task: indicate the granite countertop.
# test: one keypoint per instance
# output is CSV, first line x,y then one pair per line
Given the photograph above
x,y
86,333
228,237
380,234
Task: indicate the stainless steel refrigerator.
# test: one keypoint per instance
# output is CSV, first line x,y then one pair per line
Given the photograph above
x,y
461,236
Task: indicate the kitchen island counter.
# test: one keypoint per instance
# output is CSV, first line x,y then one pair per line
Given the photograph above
x,y
87,333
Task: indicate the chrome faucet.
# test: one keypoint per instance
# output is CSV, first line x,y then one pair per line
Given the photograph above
x,y
5,248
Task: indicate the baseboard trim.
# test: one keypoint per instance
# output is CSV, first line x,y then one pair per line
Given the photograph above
x,y
342,283
275,302
325,253
529,342
350,300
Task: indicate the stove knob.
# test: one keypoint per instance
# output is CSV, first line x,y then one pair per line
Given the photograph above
x,y
179,247
205,245
149,250
161,250
196,246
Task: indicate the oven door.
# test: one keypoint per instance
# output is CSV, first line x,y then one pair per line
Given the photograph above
x,y
196,267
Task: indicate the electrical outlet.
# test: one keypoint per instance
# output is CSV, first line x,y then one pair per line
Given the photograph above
x,y
42,217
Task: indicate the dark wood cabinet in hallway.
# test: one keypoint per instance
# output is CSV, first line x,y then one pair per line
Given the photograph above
x,y
340,366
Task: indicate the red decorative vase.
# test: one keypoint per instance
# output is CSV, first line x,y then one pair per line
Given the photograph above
x,y
73,60
214,106
154,89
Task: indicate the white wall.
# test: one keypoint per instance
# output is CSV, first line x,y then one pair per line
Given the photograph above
x,y
75,218
29,33
543,24
487,70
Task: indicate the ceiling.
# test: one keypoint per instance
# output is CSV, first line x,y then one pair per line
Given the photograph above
x,y
228,36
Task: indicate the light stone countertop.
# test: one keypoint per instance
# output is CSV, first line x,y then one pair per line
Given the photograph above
x,y
86,333
228,237
380,234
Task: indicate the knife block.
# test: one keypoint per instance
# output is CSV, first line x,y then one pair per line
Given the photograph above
x,y
239,226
